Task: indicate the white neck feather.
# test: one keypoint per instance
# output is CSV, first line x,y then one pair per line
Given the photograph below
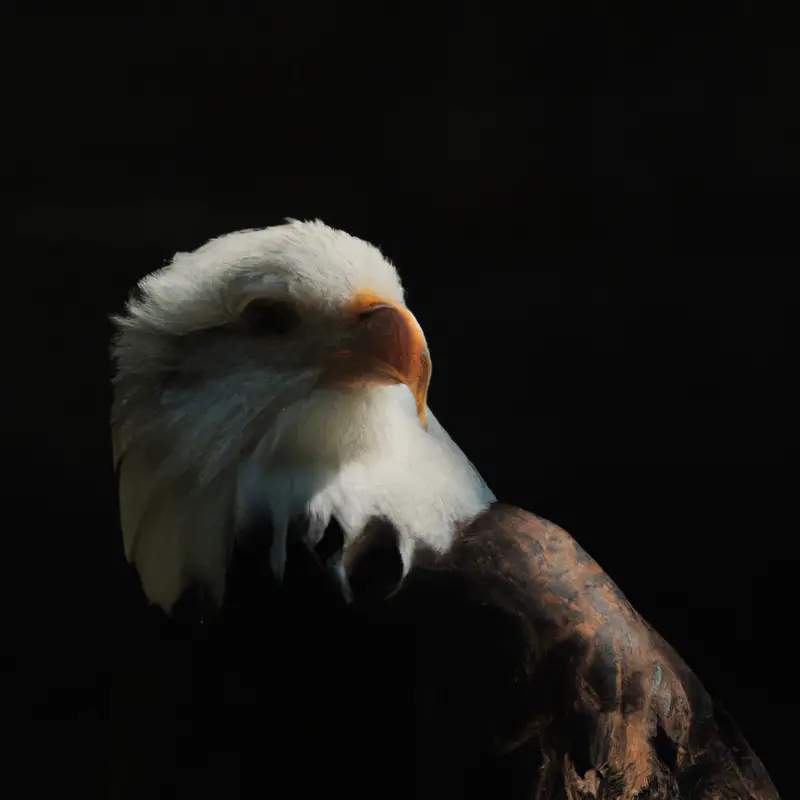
x,y
417,479
379,462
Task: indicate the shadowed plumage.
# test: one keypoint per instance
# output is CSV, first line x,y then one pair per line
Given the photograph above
x,y
604,707
270,399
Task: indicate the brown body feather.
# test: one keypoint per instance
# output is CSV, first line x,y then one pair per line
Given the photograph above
x,y
603,704
509,668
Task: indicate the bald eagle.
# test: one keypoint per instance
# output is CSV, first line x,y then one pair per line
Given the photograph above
x,y
270,389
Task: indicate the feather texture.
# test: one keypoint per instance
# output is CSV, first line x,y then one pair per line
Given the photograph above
x,y
214,428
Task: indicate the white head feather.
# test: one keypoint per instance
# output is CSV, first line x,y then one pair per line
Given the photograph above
x,y
213,427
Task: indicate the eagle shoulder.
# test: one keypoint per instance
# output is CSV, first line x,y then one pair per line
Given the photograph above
x,y
609,708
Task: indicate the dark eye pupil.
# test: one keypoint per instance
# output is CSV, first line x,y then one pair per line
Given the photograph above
x,y
269,318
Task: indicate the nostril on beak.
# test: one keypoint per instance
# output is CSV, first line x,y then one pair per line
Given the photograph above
x,y
369,312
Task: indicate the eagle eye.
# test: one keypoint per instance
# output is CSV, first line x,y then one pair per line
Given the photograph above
x,y
265,317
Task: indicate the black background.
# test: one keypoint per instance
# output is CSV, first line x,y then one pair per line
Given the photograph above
x,y
595,218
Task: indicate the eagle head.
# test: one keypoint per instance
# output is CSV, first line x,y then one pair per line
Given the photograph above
x,y
270,374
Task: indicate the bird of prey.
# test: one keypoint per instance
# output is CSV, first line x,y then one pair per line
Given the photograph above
x,y
272,385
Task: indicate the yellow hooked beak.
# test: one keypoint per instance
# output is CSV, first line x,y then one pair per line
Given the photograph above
x,y
383,344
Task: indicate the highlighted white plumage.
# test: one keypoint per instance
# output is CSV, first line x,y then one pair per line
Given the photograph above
x,y
213,426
